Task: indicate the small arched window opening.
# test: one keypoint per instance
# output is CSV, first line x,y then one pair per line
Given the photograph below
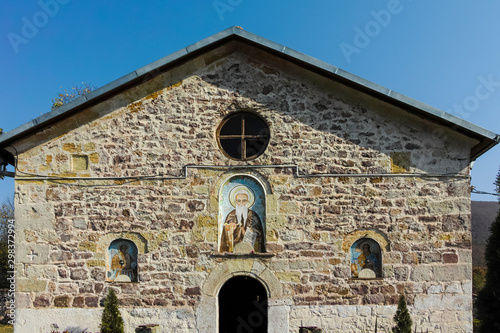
x,y
121,261
366,259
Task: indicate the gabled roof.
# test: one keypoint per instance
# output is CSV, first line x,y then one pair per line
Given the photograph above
x,y
487,139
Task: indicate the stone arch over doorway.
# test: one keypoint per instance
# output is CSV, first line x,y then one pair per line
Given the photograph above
x,y
207,318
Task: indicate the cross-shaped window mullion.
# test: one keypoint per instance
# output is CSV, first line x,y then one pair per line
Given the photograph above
x,y
243,140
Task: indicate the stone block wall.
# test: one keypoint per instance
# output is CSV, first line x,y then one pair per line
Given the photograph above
x,y
422,223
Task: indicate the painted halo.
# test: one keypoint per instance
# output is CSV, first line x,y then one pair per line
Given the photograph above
x,y
242,189
369,242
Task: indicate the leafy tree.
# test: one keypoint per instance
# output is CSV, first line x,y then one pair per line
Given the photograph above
x,y
402,318
111,321
488,302
6,214
478,279
70,95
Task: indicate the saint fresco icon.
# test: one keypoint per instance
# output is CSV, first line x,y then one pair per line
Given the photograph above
x,y
365,259
242,230
122,261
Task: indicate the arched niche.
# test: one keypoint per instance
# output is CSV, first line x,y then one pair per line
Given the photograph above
x,y
366,259
241,214
372,243
121,261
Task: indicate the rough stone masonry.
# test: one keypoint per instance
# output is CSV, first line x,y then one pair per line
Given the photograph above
x,y
156,128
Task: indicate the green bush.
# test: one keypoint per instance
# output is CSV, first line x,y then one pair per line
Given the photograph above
x,y
112,321
402,318
488,301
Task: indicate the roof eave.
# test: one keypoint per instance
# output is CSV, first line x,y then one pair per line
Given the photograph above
x,y
487,139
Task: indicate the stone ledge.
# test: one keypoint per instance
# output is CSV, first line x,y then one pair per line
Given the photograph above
x,y
352,279
241,255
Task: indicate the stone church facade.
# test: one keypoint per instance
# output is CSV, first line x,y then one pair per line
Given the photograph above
x,y
237,185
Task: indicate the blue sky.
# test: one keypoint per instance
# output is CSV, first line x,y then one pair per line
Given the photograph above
x,y
445,53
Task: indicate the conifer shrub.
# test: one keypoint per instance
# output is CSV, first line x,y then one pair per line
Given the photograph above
x,y
402,318
488,301
111,321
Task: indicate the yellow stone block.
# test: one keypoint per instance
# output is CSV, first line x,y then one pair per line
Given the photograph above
x,y
272,204
240,265
63,174
271,236
175,85
96,263
197,235
209,173
211,235
276,222
204,221
344,180
44,168
24,182
292,276
445,237
90,146
200,189
79,162
135,107
369,192
199,268
214,203
87,246
289,207
152,96
400,162
70,147
154,239
279,180
49,236
334,261
26,285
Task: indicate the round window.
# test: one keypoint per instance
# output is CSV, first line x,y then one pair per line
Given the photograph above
x,y
243,136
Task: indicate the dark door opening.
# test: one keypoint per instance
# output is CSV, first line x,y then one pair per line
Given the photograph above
x,y
242,306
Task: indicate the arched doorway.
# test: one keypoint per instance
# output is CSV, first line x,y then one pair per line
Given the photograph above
x,y
242,306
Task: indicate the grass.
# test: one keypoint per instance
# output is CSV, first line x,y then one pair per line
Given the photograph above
x,y
6,329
